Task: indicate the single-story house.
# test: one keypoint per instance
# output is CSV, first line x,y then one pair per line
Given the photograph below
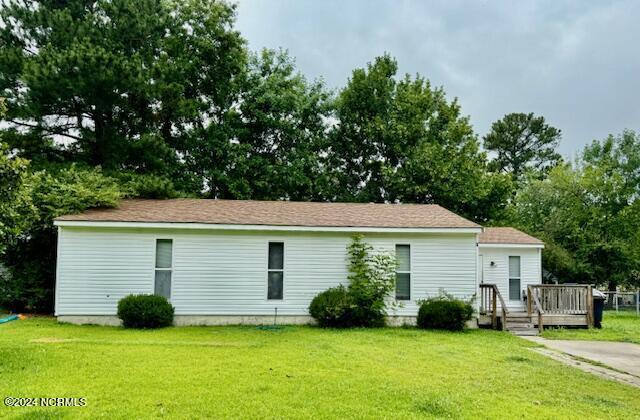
x,y
235,261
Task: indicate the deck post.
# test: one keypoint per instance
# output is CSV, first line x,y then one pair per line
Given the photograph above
x,y
529,300
589,307
494,308
540,326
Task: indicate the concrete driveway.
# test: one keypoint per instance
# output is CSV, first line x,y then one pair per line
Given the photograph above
x,y
624,357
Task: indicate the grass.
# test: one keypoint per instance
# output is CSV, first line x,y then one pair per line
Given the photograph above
x,y
296,372
616,326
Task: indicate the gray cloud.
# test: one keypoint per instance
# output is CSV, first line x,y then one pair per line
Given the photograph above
x,y
576,63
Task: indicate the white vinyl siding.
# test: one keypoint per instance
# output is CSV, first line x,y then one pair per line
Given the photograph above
x,y
96,270
498,273
225,272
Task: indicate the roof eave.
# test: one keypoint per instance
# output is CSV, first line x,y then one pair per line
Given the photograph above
x,y
212,226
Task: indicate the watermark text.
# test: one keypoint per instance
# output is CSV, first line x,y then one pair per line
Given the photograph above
x,y
45,401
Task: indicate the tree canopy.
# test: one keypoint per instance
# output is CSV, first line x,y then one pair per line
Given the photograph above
x,y
269,145
588,213
523,142
16,207
400,140
118,84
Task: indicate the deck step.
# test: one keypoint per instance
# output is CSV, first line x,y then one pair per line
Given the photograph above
x,y
520,323
516,327
518,320
525,332
517,315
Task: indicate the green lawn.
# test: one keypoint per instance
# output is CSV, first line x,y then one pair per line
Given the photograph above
x,y
300,372
616,326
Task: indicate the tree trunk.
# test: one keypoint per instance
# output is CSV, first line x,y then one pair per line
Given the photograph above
x,y
96,156
103,150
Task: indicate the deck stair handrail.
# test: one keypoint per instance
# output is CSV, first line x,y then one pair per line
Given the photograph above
x,y
489,296
534,303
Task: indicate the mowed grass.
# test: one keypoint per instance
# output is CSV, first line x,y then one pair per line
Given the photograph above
x,y
616,326
296,372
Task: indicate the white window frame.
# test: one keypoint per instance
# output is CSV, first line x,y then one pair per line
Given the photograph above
x,y
409,272
269,270
155,269
519,278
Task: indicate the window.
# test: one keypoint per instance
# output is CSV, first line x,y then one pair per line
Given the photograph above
x,y
403,272
164,257
275,275
514,278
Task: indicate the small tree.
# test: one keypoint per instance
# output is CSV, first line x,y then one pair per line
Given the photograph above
x,y
371,281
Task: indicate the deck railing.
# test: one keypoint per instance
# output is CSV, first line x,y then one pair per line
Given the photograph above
x,y
560,299
489,297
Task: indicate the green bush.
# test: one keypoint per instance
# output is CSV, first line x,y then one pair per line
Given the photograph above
x,y
363,303
332,308
444,313
145,311
366,313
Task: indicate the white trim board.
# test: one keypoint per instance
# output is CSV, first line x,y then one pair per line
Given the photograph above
x,y
211,226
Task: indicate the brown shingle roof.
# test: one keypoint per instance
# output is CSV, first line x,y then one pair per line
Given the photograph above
x,y
507,235
278,213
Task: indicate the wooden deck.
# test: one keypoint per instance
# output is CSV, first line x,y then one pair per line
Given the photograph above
x,y
547,305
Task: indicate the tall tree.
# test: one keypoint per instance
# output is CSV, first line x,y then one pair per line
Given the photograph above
x,y
401,140
282,131
271,141
115,83
523,142
589,213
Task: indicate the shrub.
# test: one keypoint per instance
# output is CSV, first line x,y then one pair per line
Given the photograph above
x,y
444,313
332,308
145,311
363,303
367,314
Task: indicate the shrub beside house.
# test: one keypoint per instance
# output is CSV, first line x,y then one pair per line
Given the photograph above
x,y
373,277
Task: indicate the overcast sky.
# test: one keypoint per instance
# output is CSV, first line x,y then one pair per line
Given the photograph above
x,y
577,63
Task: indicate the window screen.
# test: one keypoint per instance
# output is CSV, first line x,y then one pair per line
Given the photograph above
x,y
164,264
514,278
275,275
403,272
